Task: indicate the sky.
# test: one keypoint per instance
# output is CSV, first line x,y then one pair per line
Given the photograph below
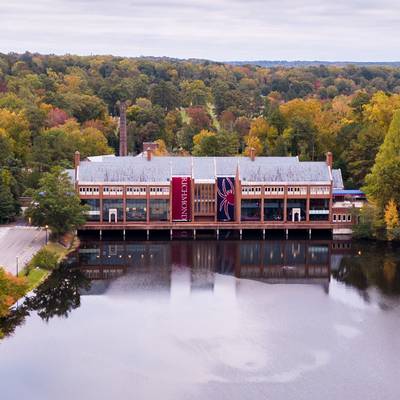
x,y
221,30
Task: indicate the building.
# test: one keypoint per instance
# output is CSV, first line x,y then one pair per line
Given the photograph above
x,y
146,192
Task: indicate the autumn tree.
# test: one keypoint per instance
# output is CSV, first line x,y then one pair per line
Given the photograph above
x,y
392,220
11,289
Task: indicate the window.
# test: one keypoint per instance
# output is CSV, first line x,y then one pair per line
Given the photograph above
x,y
113,191
319,210
89,191
251,190
159,210
136,210
159,191
348,217
251,210
136,191
94,209
273,210
296,191
296,210
321,190
113,210
274,191
204,199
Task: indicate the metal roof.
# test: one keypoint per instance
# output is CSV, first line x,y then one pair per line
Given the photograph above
x,y
160,169
352,192
337,179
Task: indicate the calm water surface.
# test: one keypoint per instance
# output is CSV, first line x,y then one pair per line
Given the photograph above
x,y
210,320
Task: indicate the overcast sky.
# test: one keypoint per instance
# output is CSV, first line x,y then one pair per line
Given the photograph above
x,y
331,30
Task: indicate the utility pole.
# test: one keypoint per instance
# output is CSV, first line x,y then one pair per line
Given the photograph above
x,y
17,264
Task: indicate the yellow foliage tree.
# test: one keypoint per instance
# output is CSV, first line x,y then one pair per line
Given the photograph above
x,y
253,142
381,108
15,127
161,149
391,218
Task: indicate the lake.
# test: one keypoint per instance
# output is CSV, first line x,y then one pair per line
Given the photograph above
x,y
251,319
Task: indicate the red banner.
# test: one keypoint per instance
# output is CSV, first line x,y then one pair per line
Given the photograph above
x,y
181,199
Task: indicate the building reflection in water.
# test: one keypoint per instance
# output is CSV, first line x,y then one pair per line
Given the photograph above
x,y
195,265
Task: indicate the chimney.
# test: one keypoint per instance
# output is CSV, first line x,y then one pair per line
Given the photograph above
x,y
123,140
252,153
329,159
149,153
77,161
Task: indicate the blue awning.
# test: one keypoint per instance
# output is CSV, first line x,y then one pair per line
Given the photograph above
x,y
352,192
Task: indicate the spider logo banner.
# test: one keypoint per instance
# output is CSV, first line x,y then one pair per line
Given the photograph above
x,y
226,199
181,199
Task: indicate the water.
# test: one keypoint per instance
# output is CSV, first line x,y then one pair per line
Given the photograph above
x,y
210,320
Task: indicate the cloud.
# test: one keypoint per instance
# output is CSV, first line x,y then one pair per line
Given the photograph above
x,y
215,29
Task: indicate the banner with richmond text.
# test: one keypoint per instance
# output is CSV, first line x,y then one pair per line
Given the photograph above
x,y
181,199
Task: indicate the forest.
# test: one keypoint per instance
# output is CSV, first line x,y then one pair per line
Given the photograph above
x,y
51,106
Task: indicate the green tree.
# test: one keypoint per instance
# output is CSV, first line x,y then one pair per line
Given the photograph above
x,y
56,204
370,223
383,183
7,204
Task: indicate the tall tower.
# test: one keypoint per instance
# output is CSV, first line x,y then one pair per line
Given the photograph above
x,y
123,139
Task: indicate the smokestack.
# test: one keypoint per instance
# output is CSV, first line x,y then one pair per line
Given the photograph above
x,y
123,140
149,153
77,161
252,154
329,159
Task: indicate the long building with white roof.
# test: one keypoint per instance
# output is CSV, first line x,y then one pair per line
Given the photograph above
x,y
148,192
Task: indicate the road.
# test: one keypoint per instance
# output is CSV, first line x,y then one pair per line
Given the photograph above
x,y
19,241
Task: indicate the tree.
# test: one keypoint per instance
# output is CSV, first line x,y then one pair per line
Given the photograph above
x,y
11,289
16,127
56,204
165,94
383,183
7,204
205,143
54,146
361,152
195,93
391,219
370,224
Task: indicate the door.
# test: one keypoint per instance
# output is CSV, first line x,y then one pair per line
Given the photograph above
x,y
112,215
296,215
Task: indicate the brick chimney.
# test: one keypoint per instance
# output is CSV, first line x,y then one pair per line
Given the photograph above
x,y
252,154
77,161
123,140
329,159
149,153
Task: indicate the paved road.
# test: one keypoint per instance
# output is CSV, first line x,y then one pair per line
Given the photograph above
x,y
21,241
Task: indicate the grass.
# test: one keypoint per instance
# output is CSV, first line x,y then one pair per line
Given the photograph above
x,y
58,249
36,276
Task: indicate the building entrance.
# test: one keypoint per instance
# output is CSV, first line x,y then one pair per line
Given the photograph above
x,y
112,215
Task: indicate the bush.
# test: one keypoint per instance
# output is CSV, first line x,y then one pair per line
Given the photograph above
x,y
44,259
11,289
